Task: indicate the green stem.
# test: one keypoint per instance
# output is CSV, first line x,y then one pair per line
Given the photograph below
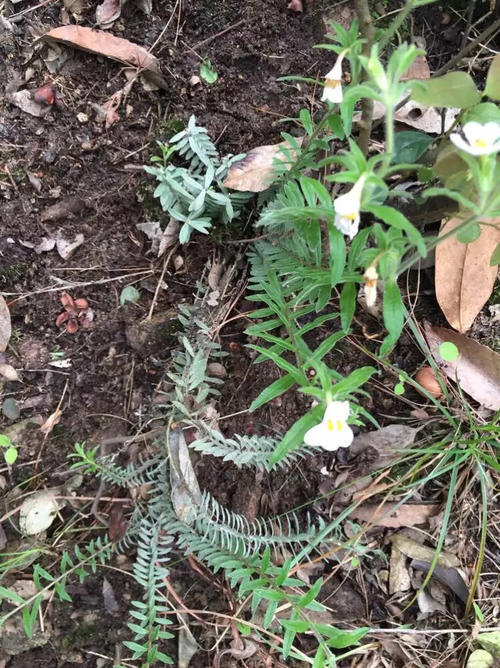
x,y
482,541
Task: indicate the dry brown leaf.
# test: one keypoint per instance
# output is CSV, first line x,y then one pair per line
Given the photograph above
x,y
8,372
51,422
65,248
464,279
255,172
416,115
5,326
387,442
419,69
104,44
415,550
399,577
477,367
24,100
107,12
393,516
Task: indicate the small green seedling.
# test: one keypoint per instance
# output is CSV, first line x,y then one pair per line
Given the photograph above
x,y
207,72
129,294
399,388
10,453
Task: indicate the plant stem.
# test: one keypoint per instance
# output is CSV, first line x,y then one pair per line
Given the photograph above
x,y
367,29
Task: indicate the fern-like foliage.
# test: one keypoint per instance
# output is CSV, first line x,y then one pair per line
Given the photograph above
x,y
242,450
194,194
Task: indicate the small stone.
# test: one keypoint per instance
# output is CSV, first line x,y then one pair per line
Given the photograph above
x,y
82,118
86,145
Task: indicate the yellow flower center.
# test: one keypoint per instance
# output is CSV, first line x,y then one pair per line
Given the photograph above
x,y
332,426
332,83
350,217
480,143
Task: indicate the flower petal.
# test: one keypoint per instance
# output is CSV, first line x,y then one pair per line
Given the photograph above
x,y
317,435
460,142
337,410
332,91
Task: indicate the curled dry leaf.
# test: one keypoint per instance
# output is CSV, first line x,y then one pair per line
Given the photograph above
x,y
107,12
51,422
464,279
255,172
393,515
416,115
38,511
8,372
477,368
104,44
186,495
5,326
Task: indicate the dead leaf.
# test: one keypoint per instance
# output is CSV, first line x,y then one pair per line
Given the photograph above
x,y
416,115
393,516
8,372
477,368
109,598
464,279
38,511
43,246
66,248
67,207
5,326
104,44
447,575
24,101
255,172
428,605
186,495
107,12
399,577
110,107
415,550
51,422
419,69
388,442
117,524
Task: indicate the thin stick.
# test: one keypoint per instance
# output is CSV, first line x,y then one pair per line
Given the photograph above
x,y
219,34
470,47
160,280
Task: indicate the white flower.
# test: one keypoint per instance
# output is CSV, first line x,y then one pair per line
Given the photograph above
x,y
333,432
479,139
347,209
332,92
371,278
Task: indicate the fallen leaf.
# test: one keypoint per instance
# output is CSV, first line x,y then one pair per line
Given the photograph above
x,y
66,248
393,516
447,575
51,422
419,69
109,598
104,44
477,368
464,279
117,524
110,107
38,511
187,644
256,171
5,326
66,207
185,494
388,442
416,115
24,101
8,372
399,577
415,550
428,605
107,12
43,246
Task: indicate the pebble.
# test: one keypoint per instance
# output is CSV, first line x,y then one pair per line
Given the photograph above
x,y
82,118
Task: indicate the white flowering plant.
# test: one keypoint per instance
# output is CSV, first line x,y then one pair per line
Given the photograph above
x,y
339,231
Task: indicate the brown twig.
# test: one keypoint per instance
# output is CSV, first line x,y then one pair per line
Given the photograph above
x,y
219,34
467,49
367,29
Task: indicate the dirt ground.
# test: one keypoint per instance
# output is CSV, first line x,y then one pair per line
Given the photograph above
x,y
67,172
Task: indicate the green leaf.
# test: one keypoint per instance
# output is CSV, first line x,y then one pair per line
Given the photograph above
x,y
448,351
469,233
296,374
10,596
393,311
399,389
347,305
207,72
272,391
339,639
410,145
354,380
495,256
455,89
337,254
395,218
492,88
5,441
486,112
294,438
129,294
